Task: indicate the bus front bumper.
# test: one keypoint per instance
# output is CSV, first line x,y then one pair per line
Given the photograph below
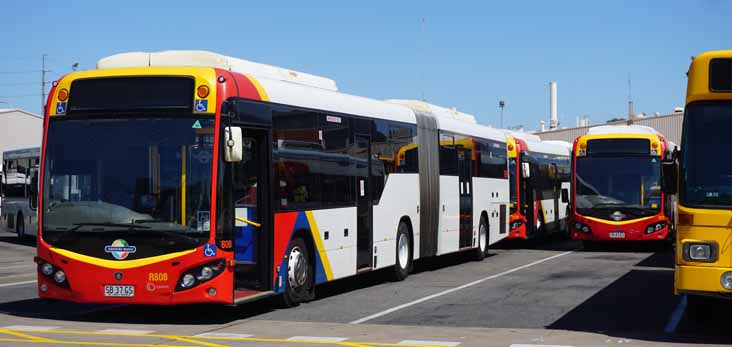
x,y
701,280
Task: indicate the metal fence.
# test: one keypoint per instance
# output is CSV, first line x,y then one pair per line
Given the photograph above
x,y
668,125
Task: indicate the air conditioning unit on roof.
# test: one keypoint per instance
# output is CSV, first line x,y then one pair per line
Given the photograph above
x,y
210,59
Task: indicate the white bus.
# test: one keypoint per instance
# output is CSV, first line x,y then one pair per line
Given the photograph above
x,y
279,177
19,200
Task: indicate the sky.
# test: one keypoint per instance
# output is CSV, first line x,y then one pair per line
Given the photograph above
x,y
463,54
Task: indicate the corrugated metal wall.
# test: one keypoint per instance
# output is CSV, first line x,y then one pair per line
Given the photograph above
x,y
669,126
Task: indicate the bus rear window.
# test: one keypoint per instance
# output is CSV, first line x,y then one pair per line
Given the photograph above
x,y
131,94
720,75
605,147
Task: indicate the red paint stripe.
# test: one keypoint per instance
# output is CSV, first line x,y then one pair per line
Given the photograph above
x,y
283,225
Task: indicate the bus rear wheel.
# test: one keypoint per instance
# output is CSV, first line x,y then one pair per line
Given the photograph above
x,y
20,228
403,253
482,249
300,279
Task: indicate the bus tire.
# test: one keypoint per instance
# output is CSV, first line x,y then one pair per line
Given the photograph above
x,y
403,261
20,227
300,276
483,238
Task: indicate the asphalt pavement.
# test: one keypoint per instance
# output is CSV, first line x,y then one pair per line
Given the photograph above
x,y
551,293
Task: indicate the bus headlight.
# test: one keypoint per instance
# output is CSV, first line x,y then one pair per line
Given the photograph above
x,y
47,269
200,274
726,280
516,224
700,251
187,281
655,227
581,227
59,277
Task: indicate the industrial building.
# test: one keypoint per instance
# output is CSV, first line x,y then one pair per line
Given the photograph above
x,y
668,125
19,129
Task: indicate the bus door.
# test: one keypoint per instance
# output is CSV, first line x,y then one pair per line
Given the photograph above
x,y
529,194
250,178
364,242
465,178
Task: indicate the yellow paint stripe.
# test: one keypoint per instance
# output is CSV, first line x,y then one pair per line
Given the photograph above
x,y
88,343
619,222
189,340
262,93
194,339
319,245
22,335
121,264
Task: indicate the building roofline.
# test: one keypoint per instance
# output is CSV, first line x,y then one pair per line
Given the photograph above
x,y
17,110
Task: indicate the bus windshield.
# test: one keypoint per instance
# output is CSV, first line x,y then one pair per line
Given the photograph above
x,y
135,179
629,185
706,178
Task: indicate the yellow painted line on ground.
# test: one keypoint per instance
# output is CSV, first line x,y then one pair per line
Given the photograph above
x,y
23,335
196,340
89,343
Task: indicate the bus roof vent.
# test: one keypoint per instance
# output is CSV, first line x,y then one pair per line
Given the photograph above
x,y
437,111
622,129
210,59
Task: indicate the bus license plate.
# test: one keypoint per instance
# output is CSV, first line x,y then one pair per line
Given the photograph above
x,y
116,291
617,235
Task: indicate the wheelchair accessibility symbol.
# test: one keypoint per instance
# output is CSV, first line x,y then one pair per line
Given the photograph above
x,y
201,105
209,250
61,108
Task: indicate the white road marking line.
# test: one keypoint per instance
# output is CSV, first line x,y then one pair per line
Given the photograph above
x,y
28,328
525,345
318,338
429,343
232,335
18,275
17,266
676,316
436,295
16,283
126,331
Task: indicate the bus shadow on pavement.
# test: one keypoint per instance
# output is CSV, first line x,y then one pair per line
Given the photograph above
x,y
639,306
554,243
29,241
201,314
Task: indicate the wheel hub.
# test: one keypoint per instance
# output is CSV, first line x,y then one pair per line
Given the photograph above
x,y
403,250
297,268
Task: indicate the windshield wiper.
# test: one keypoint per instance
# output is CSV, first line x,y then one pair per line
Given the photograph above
x,y
108,224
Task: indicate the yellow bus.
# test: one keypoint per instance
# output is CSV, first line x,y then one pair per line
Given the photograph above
x,y
704,178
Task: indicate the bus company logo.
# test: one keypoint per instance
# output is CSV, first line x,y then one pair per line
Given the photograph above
x,y
617,216
120,249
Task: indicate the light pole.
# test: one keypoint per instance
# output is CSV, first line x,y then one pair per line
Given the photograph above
x,y
501,105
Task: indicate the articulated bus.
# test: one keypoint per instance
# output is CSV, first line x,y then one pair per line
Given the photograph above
x,y
616,176
196,177
703,255
18,203
540,181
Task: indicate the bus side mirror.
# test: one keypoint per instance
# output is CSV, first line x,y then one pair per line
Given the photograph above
x,y
670,177
233,145
525,170
565,195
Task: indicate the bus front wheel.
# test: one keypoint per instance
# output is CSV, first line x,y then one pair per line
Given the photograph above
x,y
300,277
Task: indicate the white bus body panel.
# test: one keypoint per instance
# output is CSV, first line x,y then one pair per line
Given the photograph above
x,y
488,195
399,198
340,249
448,239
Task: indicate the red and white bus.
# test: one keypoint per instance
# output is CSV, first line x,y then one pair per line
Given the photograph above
x,y
204,178
616,176
540,183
